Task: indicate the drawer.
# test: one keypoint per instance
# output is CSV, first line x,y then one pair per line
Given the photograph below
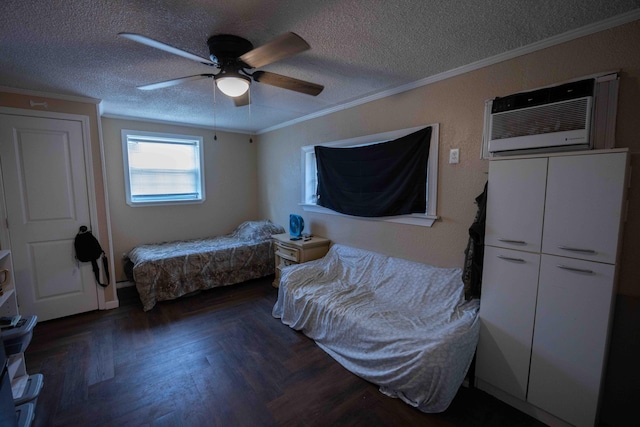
x,y
284,262
291,254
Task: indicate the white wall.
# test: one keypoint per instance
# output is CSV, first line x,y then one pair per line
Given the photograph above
x,y
457,104
230,182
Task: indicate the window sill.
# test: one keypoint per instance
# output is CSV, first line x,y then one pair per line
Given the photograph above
x,y
164,203
421,220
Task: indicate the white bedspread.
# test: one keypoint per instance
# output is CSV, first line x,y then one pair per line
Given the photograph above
x,y
402,325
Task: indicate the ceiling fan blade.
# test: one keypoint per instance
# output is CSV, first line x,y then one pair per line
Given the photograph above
x,y
242,100
285,82
284,46
162,46
174,82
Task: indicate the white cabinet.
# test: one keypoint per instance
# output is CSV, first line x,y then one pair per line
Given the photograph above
x,y
552,236
9,307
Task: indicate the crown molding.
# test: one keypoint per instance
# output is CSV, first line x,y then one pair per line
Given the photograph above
x,y
39,94
524,50
172,123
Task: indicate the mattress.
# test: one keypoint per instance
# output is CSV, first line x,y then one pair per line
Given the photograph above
x,y
168,270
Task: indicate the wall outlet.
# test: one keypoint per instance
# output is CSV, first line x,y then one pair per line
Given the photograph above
x,y
454,155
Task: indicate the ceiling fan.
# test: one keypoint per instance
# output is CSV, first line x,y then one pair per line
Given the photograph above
x,y
233,57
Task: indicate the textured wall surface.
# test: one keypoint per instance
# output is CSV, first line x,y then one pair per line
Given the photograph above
x,y
230,182
458,105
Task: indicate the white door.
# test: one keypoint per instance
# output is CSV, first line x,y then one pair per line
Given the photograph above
x,y
46,197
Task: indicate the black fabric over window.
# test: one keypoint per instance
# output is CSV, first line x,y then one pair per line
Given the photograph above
x,y
375,180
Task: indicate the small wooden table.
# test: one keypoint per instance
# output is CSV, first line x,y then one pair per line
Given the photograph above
x,y
289,252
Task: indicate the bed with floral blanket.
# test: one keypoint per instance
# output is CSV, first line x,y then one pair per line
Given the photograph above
x,y
166,271
401,325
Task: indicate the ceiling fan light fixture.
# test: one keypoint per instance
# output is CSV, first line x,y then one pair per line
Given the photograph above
x,y
232,83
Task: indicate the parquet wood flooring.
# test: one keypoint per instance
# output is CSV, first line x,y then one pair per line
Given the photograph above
x,y
217,358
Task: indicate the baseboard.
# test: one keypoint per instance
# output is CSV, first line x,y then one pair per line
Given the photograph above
x,y
525,407
124,284
110,305
119,285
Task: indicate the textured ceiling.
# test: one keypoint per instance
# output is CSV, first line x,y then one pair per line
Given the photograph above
x,y
358,48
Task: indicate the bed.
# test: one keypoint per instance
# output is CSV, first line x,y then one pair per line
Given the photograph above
x,y
401,325
168,270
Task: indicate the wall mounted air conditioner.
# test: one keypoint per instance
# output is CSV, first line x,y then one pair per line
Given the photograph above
x,y
578,115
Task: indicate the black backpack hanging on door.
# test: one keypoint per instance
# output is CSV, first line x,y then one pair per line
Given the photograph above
x,y
88,249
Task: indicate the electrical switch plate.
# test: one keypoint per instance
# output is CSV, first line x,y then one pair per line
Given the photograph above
x,y
454,155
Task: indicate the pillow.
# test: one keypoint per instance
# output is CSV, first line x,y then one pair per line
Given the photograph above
x,y
257,230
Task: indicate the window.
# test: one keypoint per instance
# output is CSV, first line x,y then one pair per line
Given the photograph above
x,y
162,169
309,175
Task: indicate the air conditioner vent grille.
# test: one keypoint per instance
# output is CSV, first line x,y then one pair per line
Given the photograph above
x,y
557,117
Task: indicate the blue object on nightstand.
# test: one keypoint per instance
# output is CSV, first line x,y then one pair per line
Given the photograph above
x,y
296,225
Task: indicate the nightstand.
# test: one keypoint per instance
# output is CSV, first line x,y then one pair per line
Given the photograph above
x,y
290,252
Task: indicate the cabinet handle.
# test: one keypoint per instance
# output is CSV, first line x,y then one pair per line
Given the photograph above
x,y
5,276
515,242
508,258
577,270
583,251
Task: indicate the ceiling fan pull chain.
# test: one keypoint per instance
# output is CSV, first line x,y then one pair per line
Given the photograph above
x,y
249,93
215,136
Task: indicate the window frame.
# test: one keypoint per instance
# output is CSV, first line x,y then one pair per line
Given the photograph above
x,y
307,156
195,140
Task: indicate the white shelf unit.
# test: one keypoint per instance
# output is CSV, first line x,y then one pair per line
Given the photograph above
x,y
9,307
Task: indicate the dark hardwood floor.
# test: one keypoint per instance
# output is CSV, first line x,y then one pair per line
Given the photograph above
x,y
217,358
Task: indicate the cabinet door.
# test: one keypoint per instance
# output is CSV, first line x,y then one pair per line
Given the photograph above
x,y
507,309
570,338
584,205
515,203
